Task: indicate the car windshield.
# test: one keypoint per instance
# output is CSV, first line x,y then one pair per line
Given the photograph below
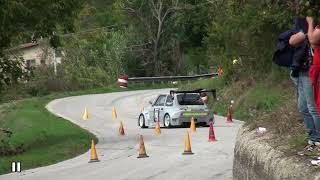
x,y
189,99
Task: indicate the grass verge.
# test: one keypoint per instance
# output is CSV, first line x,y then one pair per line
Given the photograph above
x,y
269,102
251,98
45,138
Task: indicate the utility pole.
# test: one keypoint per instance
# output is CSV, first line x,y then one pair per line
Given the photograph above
x,y
54,62
54,45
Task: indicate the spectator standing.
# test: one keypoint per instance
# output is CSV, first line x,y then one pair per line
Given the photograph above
x,y
306,103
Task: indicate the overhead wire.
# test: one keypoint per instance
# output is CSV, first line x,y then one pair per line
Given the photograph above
x,y
110,28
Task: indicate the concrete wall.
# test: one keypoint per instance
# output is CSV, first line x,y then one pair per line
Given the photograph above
x,y
255,159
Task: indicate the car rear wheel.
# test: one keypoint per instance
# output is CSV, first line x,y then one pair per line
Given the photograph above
x,y
167,121
141,121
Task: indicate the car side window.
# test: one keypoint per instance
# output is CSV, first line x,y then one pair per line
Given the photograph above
x,y
160,101
169,101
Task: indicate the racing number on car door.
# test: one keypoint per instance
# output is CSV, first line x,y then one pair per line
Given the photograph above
x,y
156,114
158,107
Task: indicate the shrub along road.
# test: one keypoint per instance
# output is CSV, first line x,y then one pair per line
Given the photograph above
x,y
118,154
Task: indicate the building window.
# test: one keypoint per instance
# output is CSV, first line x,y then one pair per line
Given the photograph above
x,y
30,63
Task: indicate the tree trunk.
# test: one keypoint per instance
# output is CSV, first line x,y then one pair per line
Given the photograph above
x,y
156,60
177,58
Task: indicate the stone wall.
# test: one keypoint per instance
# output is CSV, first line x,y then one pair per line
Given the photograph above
x,y
255,159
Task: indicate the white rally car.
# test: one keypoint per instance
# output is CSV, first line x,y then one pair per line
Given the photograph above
x,y
176,109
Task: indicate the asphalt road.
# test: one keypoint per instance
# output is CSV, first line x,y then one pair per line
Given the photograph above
x,y
118,155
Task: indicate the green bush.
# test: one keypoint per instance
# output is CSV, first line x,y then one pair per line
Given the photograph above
x,y
95,60
246,31
44,81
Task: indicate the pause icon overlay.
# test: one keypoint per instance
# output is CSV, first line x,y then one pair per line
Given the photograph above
x,y
16,166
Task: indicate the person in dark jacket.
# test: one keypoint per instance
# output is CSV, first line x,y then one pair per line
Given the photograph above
x,y
306,103
284,52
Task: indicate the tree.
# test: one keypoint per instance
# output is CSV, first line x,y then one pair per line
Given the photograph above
x,y
246,31
20,20
94,59
152,16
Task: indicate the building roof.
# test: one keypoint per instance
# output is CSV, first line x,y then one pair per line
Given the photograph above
x,y
24,46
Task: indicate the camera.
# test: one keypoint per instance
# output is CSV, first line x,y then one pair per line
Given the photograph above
x,y
301,24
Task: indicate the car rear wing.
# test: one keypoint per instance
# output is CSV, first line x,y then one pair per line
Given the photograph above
x,y
213,91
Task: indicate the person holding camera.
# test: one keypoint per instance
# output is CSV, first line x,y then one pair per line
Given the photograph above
x,y
300,75
314,38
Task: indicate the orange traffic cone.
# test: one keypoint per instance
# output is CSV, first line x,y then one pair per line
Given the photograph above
x,y
193,126
121,129
142,150
114,113
93,156
229,114
187,146
141,108
85,114
212,137
157,128
220,71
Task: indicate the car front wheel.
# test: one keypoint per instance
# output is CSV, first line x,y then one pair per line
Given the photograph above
x,y
141,121
167,121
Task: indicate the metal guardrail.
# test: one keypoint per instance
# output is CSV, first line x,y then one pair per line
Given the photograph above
x,y
171,78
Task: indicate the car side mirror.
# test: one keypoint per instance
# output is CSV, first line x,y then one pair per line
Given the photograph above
x,y
150,102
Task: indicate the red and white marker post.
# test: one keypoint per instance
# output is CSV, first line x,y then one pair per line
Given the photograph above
x,y
123,81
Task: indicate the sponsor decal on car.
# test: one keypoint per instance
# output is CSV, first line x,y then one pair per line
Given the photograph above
x,y
194,114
